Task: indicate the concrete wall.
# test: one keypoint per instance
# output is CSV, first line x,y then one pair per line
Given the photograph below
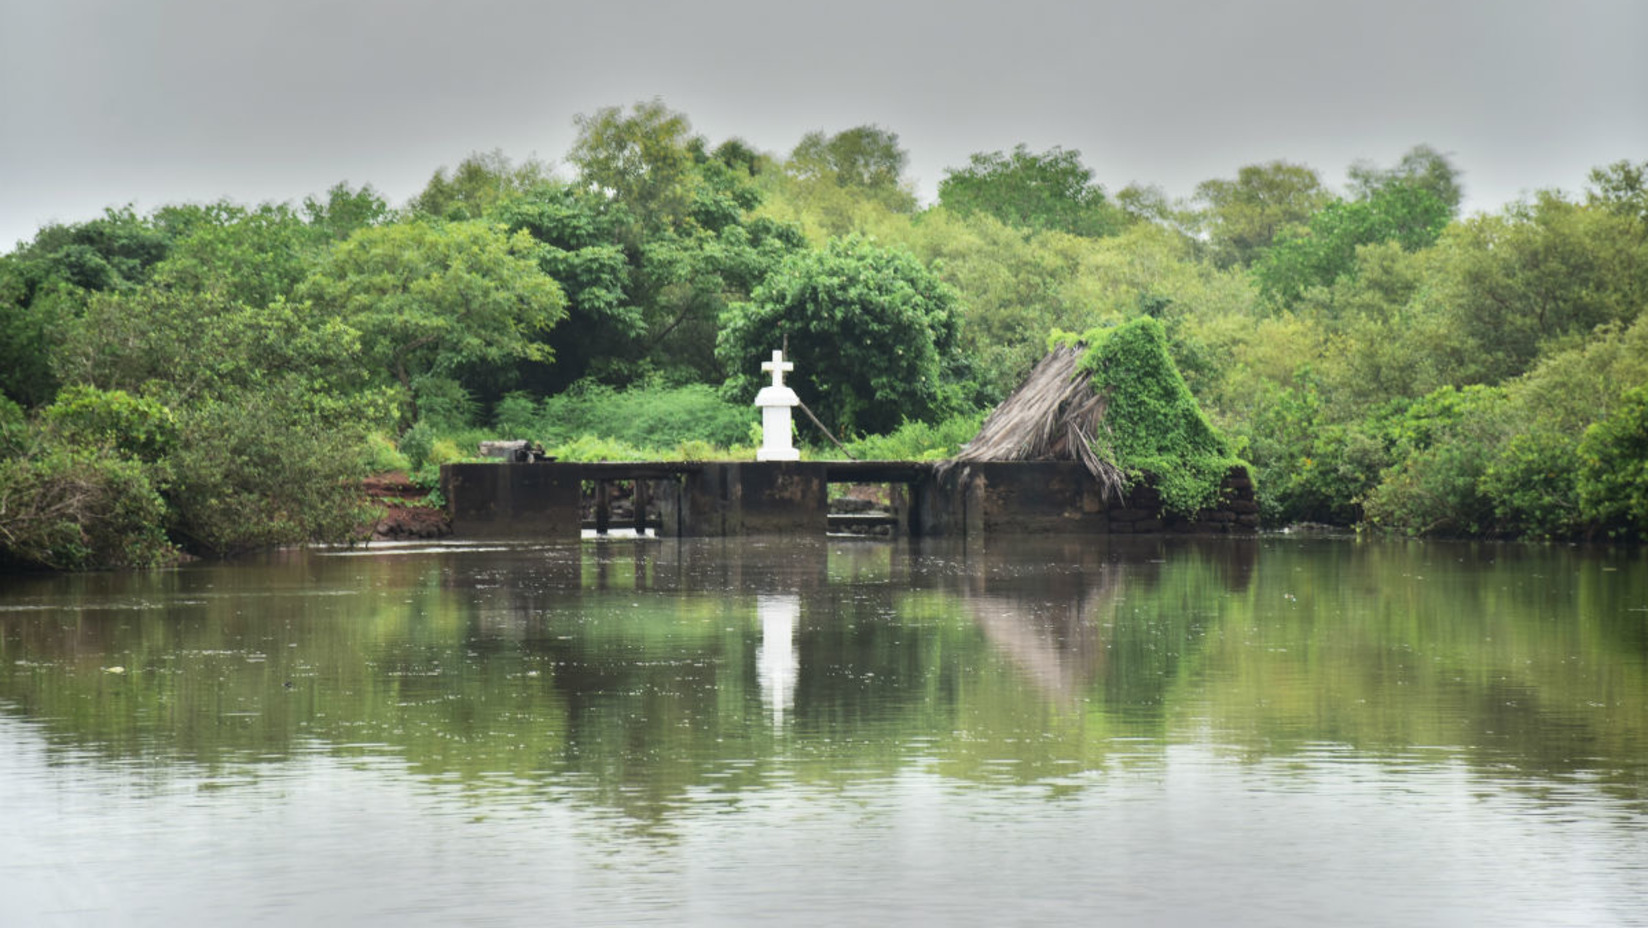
x,y
756,498
541,500
512,500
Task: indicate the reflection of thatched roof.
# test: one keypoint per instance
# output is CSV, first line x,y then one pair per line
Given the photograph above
x,y
1053,416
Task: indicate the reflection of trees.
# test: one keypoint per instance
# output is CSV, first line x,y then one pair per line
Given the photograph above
x,y
632,669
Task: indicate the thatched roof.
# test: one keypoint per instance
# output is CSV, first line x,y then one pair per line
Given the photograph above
x,y
1053,416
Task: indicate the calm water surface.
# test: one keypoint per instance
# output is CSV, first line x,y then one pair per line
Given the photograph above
x,y
829,732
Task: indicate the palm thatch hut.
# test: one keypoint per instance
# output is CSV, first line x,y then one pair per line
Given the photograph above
x,y
1115,402
1054,415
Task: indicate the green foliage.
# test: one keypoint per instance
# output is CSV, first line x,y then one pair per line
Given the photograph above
x,y
651,416
345,210
190,344
478,185
577,233
251,257
14,428
1532,482
1154,427
1243,216
1443,444
872,334
444,403
1310,469
866,160
433,299
270,468
1514,285
135,426
920,441
643,159
516,414
381,455
1044,192
1421,168
1622,189
1613,467
1325,250
416,444
597,448
74,508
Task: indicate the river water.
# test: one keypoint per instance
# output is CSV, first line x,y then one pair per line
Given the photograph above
x,y
1033,731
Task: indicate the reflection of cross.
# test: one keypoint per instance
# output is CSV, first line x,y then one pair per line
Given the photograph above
x,y
779,367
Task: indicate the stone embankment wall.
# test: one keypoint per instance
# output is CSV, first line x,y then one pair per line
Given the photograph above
x,y
537,500
1141,513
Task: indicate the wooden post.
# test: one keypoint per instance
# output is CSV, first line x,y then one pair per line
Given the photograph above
x,y
603,506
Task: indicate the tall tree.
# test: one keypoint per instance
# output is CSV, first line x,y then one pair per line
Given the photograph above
x,y
864,159
1051,190
872,333
1422,168
1243,216
433,298
479,183
1325,249
643,159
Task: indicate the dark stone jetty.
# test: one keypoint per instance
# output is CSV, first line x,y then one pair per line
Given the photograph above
x,y
543,500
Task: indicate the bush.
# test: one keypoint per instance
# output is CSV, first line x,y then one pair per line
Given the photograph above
x,y
444,403
262,471
416,443
919,441
644,417
517,414
382,456
596,448
139,427
1442,444
69,508
1613,467
1533,484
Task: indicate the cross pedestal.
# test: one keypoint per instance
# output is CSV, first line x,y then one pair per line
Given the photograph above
x,y
776,401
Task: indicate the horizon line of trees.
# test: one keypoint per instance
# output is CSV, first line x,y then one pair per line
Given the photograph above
x,y
214,378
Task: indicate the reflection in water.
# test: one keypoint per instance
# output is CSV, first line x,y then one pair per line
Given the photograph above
x,y
778,662
1311,727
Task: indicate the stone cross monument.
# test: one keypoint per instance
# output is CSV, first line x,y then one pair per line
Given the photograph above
x,y
775,401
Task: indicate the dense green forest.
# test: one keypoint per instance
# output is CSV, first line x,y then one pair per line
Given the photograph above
x,y
217,378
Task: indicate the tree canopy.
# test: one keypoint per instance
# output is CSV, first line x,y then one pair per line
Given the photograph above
x,y
871,331
1052,190
213,377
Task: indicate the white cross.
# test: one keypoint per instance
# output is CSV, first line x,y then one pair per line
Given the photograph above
x,y
778,366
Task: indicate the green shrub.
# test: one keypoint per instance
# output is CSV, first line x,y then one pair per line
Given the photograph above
x,y
383,457
643,417
517,414
1613,467
596,448
1442,444
136,426
1533,484
14,427
444,403
72,508
416,443
265,470
919,441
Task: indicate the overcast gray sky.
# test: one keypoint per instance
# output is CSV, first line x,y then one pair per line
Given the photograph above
x,y
107,102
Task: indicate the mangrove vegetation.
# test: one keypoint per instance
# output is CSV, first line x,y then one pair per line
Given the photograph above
x,y
214,378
